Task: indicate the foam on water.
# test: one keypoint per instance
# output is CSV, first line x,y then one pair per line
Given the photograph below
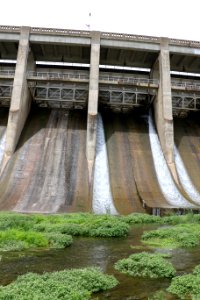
x,y
102,196
185,179
167,185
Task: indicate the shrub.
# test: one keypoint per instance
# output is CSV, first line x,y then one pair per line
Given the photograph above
x,y
14,239
185,287
197,270
114,228
183,235
137,218
146,265
58,240
77,284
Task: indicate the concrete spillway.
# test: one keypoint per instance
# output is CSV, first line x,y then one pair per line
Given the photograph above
x,y
48,171
3,123
187,141
102,196
133,179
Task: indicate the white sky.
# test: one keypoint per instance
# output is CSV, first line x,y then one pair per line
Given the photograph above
x,y
170,18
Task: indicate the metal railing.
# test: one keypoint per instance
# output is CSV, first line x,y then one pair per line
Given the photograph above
x,y
7,73
57,76
186,85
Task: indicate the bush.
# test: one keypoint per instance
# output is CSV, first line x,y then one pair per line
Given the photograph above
x,y
18,240
77,284
183,235
185,287
145,265
137,218
58,240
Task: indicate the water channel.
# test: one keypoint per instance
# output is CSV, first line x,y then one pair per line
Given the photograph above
x,y
104,253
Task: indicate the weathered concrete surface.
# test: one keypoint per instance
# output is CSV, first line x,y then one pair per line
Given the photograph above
x,y
163,106
93,101
133,179
187,133
21,97
48,171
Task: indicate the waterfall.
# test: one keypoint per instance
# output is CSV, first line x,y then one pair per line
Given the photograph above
x,y
167,185
185,179
102,196
2,145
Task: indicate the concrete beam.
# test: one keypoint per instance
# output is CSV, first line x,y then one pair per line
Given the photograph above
x,y
151,47
59,40
163,106
93,101
21,97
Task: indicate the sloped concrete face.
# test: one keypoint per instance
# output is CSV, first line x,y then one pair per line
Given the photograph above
x,y
21,97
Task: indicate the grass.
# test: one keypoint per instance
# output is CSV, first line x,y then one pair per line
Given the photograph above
x,y
22,231
75,284
178,236
146,265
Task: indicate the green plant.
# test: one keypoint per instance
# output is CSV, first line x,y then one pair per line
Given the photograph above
x,y
185,287
138,218
59,240
75,284
182,235
145,265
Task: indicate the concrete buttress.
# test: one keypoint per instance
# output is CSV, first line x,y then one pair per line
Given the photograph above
x,y
93,101
163,106
21,97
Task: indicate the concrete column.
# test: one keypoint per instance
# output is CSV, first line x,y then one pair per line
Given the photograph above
x,y
93,101
163,106
21,97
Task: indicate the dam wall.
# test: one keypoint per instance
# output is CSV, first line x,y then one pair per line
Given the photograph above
x,y
53,85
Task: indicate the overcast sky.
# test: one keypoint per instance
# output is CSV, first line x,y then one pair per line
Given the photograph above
x,y
170,18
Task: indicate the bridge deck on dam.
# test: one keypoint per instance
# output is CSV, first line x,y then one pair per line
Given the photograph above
x,y
53,84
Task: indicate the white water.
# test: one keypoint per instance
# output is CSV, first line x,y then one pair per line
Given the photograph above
x,y
2,145
167,185
102,196
185,179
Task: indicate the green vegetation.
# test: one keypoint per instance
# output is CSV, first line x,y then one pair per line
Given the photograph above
x,y
160,295
75,284
182,235
146,265
13,239
137,218
22,231
187,286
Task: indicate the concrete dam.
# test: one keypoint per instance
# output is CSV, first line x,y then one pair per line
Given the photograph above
x,y
98,122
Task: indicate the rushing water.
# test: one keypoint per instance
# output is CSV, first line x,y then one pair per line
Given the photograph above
x,y
185,179
100,252
102,196
167,185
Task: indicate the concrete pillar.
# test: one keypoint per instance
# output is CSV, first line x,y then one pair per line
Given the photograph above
x,y
163,106
93,101
21,97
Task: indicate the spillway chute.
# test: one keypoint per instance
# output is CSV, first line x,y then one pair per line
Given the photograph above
x,y
102,196
167,185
